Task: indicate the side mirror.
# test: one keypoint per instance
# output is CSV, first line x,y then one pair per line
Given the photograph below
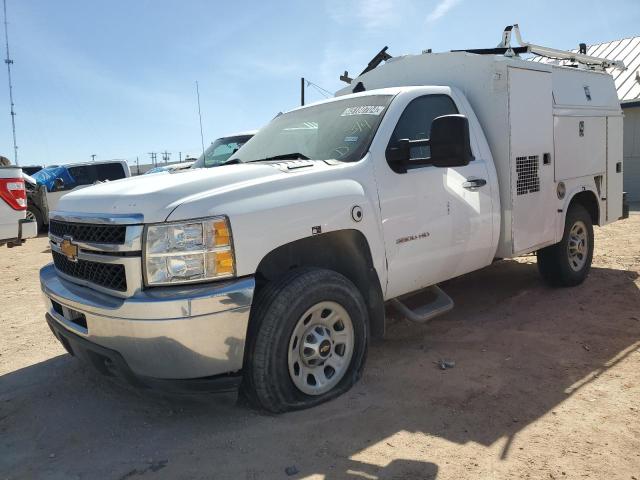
x,y
449,141
58,184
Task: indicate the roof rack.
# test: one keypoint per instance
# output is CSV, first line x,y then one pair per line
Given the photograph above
x,y
381,56
505,48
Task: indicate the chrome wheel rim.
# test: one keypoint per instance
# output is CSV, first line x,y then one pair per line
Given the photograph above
x,y
320,348
578,246
30,216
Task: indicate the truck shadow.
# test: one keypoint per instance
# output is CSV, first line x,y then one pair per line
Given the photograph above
x,y
520,350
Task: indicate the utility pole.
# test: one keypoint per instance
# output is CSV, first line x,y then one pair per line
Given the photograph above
x,y
153,158
165,156
93,157
302,91
9,62
138,165
180,156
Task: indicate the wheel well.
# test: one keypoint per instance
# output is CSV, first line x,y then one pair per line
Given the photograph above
x,y
590,202
345,251
34,207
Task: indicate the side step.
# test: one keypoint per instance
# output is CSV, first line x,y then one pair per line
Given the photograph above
x,y
424,305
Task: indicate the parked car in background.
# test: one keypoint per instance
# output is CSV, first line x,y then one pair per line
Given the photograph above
x,y
31,169
220,150
51,183
176,167
14,228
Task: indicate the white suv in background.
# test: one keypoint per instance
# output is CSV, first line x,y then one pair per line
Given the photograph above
x,y
14,229
54,182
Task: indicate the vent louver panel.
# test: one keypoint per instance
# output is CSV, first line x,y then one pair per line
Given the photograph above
x,y
527,171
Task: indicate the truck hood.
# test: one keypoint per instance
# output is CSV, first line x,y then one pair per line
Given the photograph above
x,y
156,196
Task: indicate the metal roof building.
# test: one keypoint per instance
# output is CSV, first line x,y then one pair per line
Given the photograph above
x,y
628,87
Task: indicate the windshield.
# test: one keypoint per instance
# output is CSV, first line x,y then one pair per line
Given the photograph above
x,y
156,170
340,130
220,151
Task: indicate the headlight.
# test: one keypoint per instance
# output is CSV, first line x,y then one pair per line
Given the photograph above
x,y
188,251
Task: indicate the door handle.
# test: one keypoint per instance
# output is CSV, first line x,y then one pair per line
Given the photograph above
x,y
474,183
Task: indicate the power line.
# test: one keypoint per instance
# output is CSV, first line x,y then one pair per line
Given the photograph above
x,y
323,91
9,62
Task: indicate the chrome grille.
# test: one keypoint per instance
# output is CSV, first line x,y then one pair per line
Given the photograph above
x,y
87,232
107,275
100,252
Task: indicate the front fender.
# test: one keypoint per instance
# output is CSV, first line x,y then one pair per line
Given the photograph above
x,y
282,217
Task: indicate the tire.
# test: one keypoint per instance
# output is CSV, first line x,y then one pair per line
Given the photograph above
x,y
285,316
34,214
567,263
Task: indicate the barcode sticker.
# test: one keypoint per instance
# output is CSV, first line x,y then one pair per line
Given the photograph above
x,y
363,110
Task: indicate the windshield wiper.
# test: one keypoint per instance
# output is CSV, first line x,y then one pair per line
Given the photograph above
x,y
284,156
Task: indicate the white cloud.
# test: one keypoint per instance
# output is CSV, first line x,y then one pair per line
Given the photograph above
x,y
441,10
369,14
377,13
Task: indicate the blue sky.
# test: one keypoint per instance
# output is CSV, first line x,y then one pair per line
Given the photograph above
x,y
117,79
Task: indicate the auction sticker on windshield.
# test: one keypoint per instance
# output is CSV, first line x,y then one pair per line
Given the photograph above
x,y
363,110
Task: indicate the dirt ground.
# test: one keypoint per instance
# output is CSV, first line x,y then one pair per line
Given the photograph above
x,y
546,384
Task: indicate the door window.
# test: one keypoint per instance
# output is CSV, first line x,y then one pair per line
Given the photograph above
x,y
110,171
415,121
83,174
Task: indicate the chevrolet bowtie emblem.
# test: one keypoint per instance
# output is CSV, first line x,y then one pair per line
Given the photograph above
x,y
69,250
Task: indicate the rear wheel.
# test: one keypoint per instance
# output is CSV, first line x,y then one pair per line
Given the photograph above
x,y
307,342
567,263
34,214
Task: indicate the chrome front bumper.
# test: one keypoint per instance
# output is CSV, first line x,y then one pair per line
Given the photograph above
x,y
163,333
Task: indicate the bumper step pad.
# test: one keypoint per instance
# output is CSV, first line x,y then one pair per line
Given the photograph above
x,y
424,305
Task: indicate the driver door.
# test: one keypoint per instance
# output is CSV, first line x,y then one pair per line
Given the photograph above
x,y
434,226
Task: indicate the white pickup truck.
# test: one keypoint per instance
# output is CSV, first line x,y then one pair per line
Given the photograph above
x,y
272,272
14,228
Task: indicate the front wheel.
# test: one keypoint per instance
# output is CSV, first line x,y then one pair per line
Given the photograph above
x,y
567,263
307,342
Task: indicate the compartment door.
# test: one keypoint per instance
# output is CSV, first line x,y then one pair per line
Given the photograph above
x,y
614,168
581,144
531,159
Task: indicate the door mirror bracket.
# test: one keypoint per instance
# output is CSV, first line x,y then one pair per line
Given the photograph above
x,y
399,156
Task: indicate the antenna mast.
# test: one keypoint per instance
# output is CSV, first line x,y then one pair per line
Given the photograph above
x,y
199,115
9,62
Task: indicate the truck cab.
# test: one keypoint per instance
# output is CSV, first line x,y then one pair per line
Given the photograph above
x,y
272,272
